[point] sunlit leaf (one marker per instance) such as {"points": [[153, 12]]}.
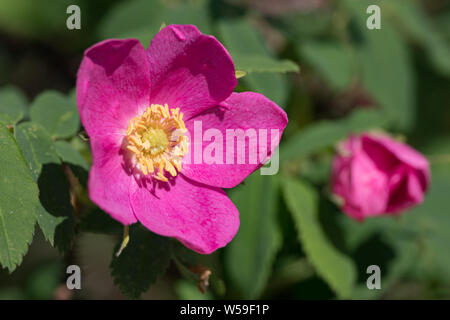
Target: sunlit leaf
{"points": [[18, 200], [13, 105], [56, 113], [55, 214]]}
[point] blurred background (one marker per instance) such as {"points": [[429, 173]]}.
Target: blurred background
{"points": [[349, 79]]}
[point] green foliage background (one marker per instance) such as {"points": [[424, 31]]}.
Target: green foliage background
{"points": [[319, 62]]}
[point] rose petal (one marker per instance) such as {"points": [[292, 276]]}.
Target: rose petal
{"points": [[246, 111], [109, 181], [402, 152], [406, 193], [113, 85], [383, 158], [189, 70], [201, 217], [340, 175], [369, 188]]}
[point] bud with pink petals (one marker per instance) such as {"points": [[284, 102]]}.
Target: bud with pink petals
{"points": [[377, 175]]}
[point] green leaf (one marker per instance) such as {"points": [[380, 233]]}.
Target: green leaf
{"points": [[29, 19], [74, 159], [18, 200], [249, 257], [304, 24], [13, 105], [37, 147], [56, 113], [333, 266], [188, 291], [244, 42], [70, 155], [259, 63], [432, 222], [44, 280], [273, 85], [333, 61], [55, 214], [146, 257], [412, 18], [384, 241], [326, 133], [142, 19], [386, 67]]}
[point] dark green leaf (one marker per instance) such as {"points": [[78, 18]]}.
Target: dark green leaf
{"points": [[56, 113], [55, 214], [18, 200], [146, 257], [249, 257], [333, 266], [44, 280], [383, 241], [98, 221]]}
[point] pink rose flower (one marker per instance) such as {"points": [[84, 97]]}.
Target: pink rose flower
{"points": [[376, 175], [139, 108]]}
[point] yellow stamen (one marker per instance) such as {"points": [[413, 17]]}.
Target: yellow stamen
{"points": [[157, 141]]}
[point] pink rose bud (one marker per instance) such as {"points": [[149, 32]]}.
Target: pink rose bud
{"points": [[377, 175]]}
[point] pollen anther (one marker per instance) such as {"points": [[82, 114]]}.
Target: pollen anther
{"points": [[158, 142]]}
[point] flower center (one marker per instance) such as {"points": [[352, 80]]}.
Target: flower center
{"points": [[157, 141]]}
